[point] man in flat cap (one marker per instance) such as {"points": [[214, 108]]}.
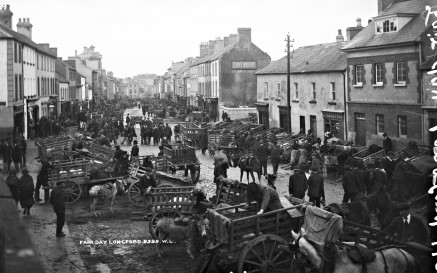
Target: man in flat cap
{"points": [[297, 183]]}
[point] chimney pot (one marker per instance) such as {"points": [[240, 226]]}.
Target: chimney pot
{"points": [[369, 21], [7, 7], [19, 20], [339, 37], [358, 22], [339, 32]]}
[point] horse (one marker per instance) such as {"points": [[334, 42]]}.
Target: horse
{"points": [[249, 164], [107, 191], [336, 256], [359, 210], [167, 229]]}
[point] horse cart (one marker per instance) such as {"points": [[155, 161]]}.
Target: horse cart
{"points": [[54, 147], [77, 176], [191, 134], [243, 241]]}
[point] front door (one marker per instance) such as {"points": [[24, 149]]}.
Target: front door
{"points": [[302, 124], [264, 119], [360, 127], [283, 121], [313, 125]]}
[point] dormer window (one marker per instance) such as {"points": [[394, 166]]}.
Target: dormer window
{"points": [[388, 25]]}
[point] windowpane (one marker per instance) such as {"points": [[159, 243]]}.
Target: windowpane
{"points": [[378, 73], [359, 73], [402, 125], [401, 72], [385, 26], [313, 84], [379, 124], [332, 87], [278, 85], [266, 89]]}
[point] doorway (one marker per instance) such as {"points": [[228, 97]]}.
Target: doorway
{"points": [[360, 128], [302, 124], [313, 125]]}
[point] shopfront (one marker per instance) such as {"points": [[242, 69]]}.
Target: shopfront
{"points": [[334, 123], [263, 114], [284, 123]]}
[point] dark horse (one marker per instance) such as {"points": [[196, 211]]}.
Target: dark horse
{"points": [[249, 164], [359, 210]]}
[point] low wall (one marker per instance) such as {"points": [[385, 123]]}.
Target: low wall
{"points": [[236, 113]]}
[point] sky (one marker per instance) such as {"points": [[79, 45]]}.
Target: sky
{"points": [[143, 36]]}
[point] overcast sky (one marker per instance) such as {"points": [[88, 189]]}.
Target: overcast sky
{"points": [[142, 36]]}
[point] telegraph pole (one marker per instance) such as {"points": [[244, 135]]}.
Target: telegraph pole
{"points": [[288, 83]]}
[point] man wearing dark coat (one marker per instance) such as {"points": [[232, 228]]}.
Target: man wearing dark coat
{"points": [[26, 191], [118, 152], [378, 178], [203, 142], [167, 132], [127, 120], [143, 133], [316, 189], [14, 185], [42, 180], [266, 197], [263, 152], [351, 185], [408, 227], [156, 136], [135, 150], [16, 156], [386, 143], [57, 201], [161, 132], [297, 184], [275, 153], [149, 134]]}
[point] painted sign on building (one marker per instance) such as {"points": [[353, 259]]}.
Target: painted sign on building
{"points": [[244, 65]]}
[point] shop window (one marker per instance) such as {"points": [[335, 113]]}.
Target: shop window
{"points": [[401, 72], [333, 126], [402, 126], [332, 89], [380, 124]]}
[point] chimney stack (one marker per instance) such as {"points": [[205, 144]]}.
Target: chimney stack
{"points": [[351, 32], [203, 49], [6, 16], [75, 53], [219, 44], [225, 41], [54, 51], [233, 38], [211, 47], [24, 27], [339, 37], [244, 35]]}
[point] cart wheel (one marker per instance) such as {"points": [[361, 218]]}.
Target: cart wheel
{"points": [[262, 255], [195, 174], [135, 196], [169, 213], [72, 192]]}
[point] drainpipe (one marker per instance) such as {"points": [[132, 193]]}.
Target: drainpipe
{"points": [[345, 105]]}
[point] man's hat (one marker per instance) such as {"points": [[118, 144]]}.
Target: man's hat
{"points": [[117, 146], [135, 142], [24, 170], [404, 206], [296, 168], [252, 188], [314, 170]]}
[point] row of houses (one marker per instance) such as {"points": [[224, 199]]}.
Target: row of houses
{"points": [[373, 81], [36, 83]]}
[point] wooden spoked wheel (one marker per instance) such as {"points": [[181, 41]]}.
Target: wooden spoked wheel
{"points": [[72, 192], [162, 213], [262, 255], [135, 196]]}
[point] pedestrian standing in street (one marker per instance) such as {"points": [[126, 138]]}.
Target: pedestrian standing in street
{"points": [[143, 134], [203, 141], [386, 143], [135, 150], [350, 185], [378, 178], [57, 201], [263, 153], [161, 132], [155, 136], [316, 163], [127, 120], [167, 132], [27, 189], [23, 146], [316, 188], [42, 180], [16, 156], [14, 185], [275, 153], [297, 183]]}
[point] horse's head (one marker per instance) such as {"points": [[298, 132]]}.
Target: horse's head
{"points": [[201, 224], [120, 186], [310, 249]]}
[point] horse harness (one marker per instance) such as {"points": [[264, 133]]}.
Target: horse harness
{"points": [[357, 253]]}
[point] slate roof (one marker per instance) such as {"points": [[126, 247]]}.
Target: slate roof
{"points": [[310, 59], [409, 33], [7, 33], [61, 78], [215, 55]]}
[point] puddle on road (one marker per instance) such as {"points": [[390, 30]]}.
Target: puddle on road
{"points": [[103, 268], [122, 250]]}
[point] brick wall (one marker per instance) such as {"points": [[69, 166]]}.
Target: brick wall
{"points": [[390, 112]]}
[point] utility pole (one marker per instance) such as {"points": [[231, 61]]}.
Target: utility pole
{"points": [[288, 83]]}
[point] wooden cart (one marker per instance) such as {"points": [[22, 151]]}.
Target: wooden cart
{"points": [[182, 157], [54, 147], [243, 241], [191, 134]]}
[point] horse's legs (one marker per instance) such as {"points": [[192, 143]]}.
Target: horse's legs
{"points": [[112, 203], [247, 173], [259, 178], [158, 247], [253, 177], [189, 246], [241, 175], [93, 206]]}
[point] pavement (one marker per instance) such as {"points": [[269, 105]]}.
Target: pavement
{"points": [[55, 254]]}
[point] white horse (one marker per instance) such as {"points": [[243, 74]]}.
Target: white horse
{"points": [[388, 259], [106, 191]]}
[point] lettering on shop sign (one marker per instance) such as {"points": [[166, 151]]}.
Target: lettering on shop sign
{"points": [[243, 65], [333, 116], [431, 13]]}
